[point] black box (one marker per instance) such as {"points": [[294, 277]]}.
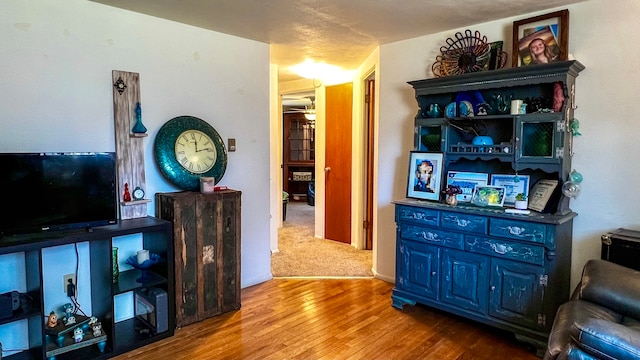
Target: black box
{"points": [[622, 246], [151, 307]]}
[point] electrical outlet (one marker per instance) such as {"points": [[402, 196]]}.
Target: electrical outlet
{"points": [[66, 281]]}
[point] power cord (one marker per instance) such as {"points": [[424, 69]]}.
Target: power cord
{"points": [[72, 289]]}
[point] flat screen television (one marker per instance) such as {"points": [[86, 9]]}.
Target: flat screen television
{"points": [[57, 191]]}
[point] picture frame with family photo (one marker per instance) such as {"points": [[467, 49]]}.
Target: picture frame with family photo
{"points": [[541, 39]]}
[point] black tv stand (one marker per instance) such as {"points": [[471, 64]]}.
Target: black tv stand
{"points": [[120, 337]]}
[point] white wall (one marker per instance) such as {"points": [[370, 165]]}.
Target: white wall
{"points": [[56, 59], [602, 37]]}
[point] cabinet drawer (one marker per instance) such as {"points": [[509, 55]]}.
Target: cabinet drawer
{"points": [[465, 222], [417, 215], [520, 230], [505, 249], [431, 236]]}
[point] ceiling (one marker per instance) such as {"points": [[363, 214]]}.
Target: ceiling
{"points": [[337, 32]]}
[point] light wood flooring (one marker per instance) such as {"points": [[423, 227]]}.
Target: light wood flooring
{"points": [[316, 319]]}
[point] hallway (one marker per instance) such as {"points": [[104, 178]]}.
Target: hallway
{"points": [[301, 254]]}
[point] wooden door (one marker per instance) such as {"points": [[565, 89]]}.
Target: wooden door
{"points": [[337, 212]]}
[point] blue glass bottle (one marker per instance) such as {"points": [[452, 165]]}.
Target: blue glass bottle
{"points": [[139, 128]]}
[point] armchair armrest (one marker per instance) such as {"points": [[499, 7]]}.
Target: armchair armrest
{"points": [[613, 286], [606, 340]]}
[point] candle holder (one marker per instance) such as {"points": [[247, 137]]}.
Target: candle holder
{"points": [[144, 276]]}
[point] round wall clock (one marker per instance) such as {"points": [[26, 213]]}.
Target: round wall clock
{"points": [[188, 148]]}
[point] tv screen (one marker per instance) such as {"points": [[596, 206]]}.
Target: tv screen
{"points": [[56, 191]]}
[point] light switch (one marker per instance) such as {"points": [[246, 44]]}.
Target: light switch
{"points": [[232, 144]]}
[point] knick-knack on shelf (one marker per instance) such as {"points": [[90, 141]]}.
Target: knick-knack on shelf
{"points": [[127, 194], [139, 128]]}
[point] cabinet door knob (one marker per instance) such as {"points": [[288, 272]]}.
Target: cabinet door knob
{"points": [[493, 288], [433, 273], [327, 169]]}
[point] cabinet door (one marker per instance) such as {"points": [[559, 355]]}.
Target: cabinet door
{"points": [[465, 280], [207, 223], [229, 248], [182, 211], [517, 293], [429, 135], [540, 138], [418, 268]]}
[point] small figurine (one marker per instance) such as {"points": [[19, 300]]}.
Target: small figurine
{"points": [[53, 319], [127, 195], [97, 329], [78, 334]]}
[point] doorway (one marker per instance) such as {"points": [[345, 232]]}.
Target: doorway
{"points": [[301, 251]]}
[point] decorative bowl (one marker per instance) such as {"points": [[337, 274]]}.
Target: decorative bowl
{"points": [[133, 261], [482, 140]]}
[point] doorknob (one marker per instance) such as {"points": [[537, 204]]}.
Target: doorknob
{"points": [[327, 169]]}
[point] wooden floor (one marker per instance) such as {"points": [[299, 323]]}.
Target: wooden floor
{"points": [[332, 319]]}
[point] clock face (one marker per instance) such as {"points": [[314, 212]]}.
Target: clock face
{"points": [[138, 193], [187, 148], [195, 151]]}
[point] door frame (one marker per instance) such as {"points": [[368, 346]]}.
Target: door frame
{"points": [[358, 192]]}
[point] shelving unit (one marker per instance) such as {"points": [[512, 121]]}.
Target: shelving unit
{"points": [[510, 271], [298, 154], [121, 336]]}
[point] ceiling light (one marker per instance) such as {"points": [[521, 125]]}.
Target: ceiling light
{"points": [[310, 116], [327, 74]]}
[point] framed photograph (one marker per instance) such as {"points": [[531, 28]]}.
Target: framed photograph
{"points": [[541, 193], [425, 175], [488, 195], [467, 182], [541, 39], [513, 184]]}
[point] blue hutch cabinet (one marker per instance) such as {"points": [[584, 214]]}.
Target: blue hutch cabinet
{"points": [[511, 271]]}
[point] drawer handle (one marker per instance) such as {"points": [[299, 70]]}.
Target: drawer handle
{"points": [[433, 273], [493, 288], [430, 236], [515, 230], [501, 248], [418, 216], [462, 222]]}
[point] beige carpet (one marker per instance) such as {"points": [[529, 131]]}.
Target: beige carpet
{"points": [[303, 255]]}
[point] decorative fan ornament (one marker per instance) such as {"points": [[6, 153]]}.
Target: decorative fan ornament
{"points": [[465, 54]]}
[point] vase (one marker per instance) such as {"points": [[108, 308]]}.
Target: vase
{"points": [[114, 264], [139, 128], [451, 200]]}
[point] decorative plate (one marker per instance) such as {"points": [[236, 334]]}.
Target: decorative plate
{"points": [[465, 54], [167, 153]]}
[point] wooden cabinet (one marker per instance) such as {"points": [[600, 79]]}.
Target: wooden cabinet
{"points": [[298, 154], [119, 335], [207, 251], [508, 270]]}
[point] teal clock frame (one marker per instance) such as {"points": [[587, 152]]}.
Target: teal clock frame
{"points": [[164, 152]]}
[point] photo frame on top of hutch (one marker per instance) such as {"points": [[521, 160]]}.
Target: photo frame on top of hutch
{"points": [[425, 175], [541, 39]]}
